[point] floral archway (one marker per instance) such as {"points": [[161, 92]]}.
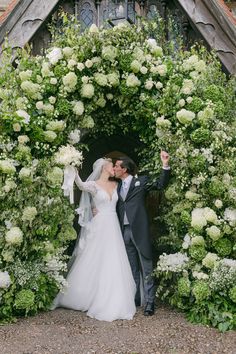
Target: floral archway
{"points": [[112, 80]]}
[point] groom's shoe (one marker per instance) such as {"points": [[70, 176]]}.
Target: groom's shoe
{"points": [[137, 302], [149, 309]]}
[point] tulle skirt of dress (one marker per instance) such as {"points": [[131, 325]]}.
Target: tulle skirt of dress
{"points": [[100, 280]]}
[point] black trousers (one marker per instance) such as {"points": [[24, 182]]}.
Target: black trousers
{"points": [[141, 267]]}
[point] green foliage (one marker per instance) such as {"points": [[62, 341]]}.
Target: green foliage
{"points": [[119, 80]]}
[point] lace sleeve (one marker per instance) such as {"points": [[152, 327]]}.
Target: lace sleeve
{"points": [[89, 186]]}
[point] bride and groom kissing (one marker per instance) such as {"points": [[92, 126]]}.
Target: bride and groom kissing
{"points": [[112, 269]]}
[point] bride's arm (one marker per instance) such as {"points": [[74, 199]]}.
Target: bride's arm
{"points": [[89, 186]]}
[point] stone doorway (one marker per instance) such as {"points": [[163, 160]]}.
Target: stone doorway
{"points": [[113, 147]]}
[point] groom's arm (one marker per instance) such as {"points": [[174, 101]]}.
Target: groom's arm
{"points": [[163, 180], [161, 183]]}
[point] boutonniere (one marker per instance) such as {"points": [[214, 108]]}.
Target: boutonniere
{"points": [[137, 183]]}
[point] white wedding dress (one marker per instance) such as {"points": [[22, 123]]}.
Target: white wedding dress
{"points": [[100, 280]]}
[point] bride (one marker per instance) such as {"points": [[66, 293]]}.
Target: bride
{"points": [[100, 280]]}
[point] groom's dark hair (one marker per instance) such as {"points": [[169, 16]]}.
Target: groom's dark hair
{"points": [[127, 163]]}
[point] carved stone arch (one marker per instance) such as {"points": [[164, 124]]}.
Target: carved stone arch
{"points": [[86, 12], [152, 7]]}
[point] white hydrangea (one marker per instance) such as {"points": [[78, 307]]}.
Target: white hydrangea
{"points": [[181, 102], [9, 185], [189, 99], [132, 81], [80, 66], [187, 87], [135, 66], [189, 63], [143, 70], [53, 81], [87, 91], [230, 216], [70, 81], [88, 122], [46, 71], [176, 262], [210, 215], [187, 242], [5, 280], [93, 29], [213, 232], [48, 108], [68, 52], [16, 127], [113, 79], [206, 115], [218, 203], [21, 102], [52, 99], [159, 85], [163, 123], [148, 84], [7, 166], [39, 105], [185, 117], [197, 241], [232, 194], [100, 79], [14, 236], [25, 173], [25, 75], [74, 137], [49, 136], [109, 52], [31, 89], [56, 125], [210, 260], [23, 114], [54, 55], [154, 48], [200, 66], [88, 63], [23, 139], [162, 69], [198, 219], [71, 64], [29, 214], [200, 275], [78, 108], [192, 196]]}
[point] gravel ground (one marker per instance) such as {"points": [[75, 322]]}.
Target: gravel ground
{"points": [[71, 332]]}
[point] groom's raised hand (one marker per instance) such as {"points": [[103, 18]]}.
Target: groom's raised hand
{"points": [[164, 158]]}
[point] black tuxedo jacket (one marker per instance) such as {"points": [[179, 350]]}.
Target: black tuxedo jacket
{"points": [[134, 206]]}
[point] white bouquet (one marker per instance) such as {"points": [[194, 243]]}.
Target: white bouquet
{"points": [[68, 155]]}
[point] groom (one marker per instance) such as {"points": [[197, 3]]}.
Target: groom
{"points": [[134, 223]]}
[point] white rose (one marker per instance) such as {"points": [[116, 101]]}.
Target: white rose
{"points": [[143, 70], [53, 81], [80, 66], [88, 63], [16, 127]]}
